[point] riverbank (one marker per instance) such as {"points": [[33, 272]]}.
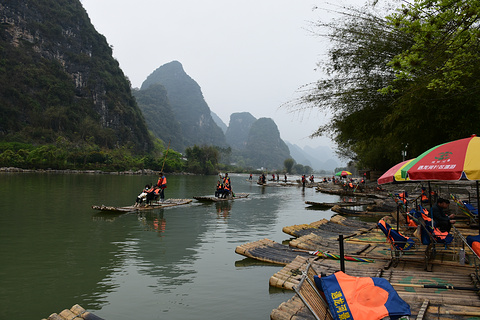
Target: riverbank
{"points": [[70, 171]]}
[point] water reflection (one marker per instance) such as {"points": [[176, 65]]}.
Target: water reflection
{"points": [[223, 209], [152, 221], [57, 251]]}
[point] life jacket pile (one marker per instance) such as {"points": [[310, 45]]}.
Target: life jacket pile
{"points": [[361, 298]]}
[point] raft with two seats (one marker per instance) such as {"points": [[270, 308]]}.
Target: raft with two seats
{"points": [[154, 205], [216, 199]]}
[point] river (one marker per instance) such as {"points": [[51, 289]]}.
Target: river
{"points": [[173, 263]]}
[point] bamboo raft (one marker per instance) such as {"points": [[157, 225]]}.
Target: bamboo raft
{"points": [[331, 228], [154, 205], [357, 213], [75, 312], [349, 192], [328, 205], [321, 234], [217, 199], [435, 287], [410, 281]]}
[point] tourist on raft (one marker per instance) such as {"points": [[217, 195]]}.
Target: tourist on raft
{"points": [[219, 189], [226, 186], [442, 221], [161, 185], [142, 196]]}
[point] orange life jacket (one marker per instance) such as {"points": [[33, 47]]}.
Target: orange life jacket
{"points": [[162, 182], [227, 187]]}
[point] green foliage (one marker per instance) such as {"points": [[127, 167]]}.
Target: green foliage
{"points": [[159, 116], [202, 160], [301, 169], [406, 79], [445, 54], [288, 164], [58, 78], [64, 155]]}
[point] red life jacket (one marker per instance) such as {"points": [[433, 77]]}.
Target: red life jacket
{"points": [[162, 182], [361, 298]]}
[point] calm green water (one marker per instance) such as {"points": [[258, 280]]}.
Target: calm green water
{"points": [[175, 263]]}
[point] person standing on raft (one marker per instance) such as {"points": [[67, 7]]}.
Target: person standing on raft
{"points": [[162, 184], [227, 185]]}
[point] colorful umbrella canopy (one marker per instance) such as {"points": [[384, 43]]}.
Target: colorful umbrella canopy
{"points": [[455, 160], [394, 174], [343, 173]]}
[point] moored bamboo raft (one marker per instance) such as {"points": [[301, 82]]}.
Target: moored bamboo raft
{"points": [[154, 205], [328, 205], [216, 199], [269, 251], [351, 192], [357, 213], [407, 280], [75, 312], [329, 228]]}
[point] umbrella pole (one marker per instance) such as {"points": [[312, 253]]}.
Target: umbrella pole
{"points": [[478, 207], [430, 201]]}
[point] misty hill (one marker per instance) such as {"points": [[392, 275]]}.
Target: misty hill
{"points": [[264, 146], [159, 115], [188, 105], [319, 158], [239, 129], [219, 122], [58, 78]]}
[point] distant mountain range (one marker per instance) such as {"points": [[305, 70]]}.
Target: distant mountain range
{"points": [[61, 83], [175, 110], [319, 158]]}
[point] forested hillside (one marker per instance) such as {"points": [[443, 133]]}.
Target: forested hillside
{"points": [[58, 79], [188, 105], [399, 82], [238, 129], [159, 116], [264, 146]]}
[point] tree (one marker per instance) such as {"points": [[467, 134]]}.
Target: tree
{"points": [[288, 164], [445, 54], [203, 160], [399, 79]]}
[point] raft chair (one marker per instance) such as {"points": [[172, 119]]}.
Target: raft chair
{"points": [[466, 208], [429, 234], [398, 242], [311, 297]]}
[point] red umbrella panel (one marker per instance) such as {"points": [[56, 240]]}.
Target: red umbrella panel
{"points": [[455, 160], [449, 161], [394, 173]]}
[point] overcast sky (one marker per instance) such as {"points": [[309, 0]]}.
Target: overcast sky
{"points": [[249, 55]]}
